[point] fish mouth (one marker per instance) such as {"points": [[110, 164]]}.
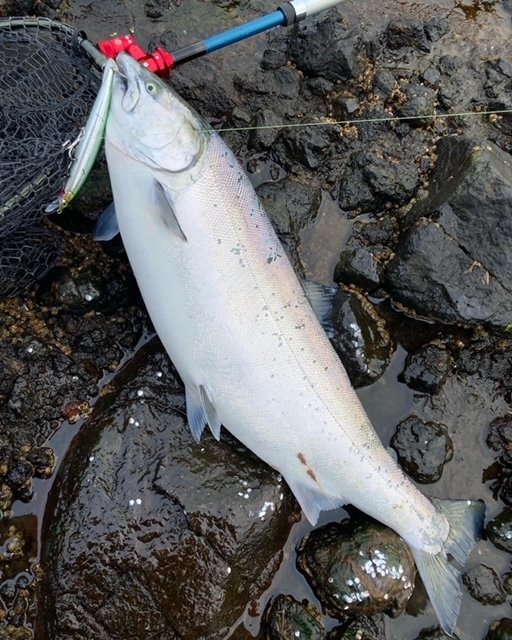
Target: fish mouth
{"points": [[129, 69], [128, 78]]}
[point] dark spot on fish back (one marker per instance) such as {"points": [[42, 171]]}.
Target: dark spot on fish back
{"points": [[302, 458], [312, 474]]}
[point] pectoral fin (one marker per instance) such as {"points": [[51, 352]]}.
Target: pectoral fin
{"points": [[201, 412], [167, 211], [321, 299], [106, 226]]}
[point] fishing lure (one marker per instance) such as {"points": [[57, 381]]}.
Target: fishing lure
{"points": [[88, 142]]}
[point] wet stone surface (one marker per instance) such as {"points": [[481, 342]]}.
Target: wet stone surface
{"points": [[484, 585], [434, 633], [426, 369], [360, 337], [357, 568], [499, 530], [499, 438], [449, 265], [361, 628], [500, 630], [422, 448], [207, 520], [287, 619]]}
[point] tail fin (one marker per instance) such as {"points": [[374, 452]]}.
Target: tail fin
{"points": [[439, 576]]}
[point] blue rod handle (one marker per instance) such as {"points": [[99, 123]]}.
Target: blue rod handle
{"points": [[274, 19]]}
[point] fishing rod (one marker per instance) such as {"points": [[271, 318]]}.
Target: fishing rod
{"points": [[162, 62]]}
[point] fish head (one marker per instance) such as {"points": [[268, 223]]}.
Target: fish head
{"points": [[150, 123]]}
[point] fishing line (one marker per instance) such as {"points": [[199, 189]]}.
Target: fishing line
{"points": [[320, 123]]}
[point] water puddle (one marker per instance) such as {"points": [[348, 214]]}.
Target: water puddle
{"points": [[322, 241]]}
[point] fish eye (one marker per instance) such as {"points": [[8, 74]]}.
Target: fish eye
{"points": [[151, 88]]}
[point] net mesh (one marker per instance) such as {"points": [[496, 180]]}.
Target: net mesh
{"points": [[48, 83]]}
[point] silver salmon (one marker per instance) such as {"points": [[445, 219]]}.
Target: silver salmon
{"points": [[239, 328]]}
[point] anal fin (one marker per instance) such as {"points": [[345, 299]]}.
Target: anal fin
{"points": [[201, 412], [312, 501], [210, 412]]}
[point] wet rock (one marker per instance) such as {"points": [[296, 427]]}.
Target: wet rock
{"points": [[499, 438], [436, 278], [426, 369], [389, 179], [82, 289], [432, 77], [484, 585], [404, 32], [10, 369], [379, 232], [384, 82], [339, 61], [468, 278], [345, 106], [73, 289], [361, 628], [357, 568], [358, 266], [287, 619], [19, 478], [319, 86], [418, 101], [273, 58], [374, 178], [290, 206], [43, 460], [505, 492], [499, 530], [288, 83], [500, 630], [434, 633], [507, 583], [263, 138], [11, 632], [199, 523], [16, 7], [6, 499], [489, 356], [422, 448], [360, 338], [436, 28], [309, 145], [154, 9], [12, 545]]}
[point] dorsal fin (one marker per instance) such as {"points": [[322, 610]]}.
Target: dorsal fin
{"points": [[321, 299]]}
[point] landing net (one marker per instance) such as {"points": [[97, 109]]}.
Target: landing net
{"points": [[49, 78]]}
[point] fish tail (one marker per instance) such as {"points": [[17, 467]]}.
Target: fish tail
{"points": [[440, 577]]}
